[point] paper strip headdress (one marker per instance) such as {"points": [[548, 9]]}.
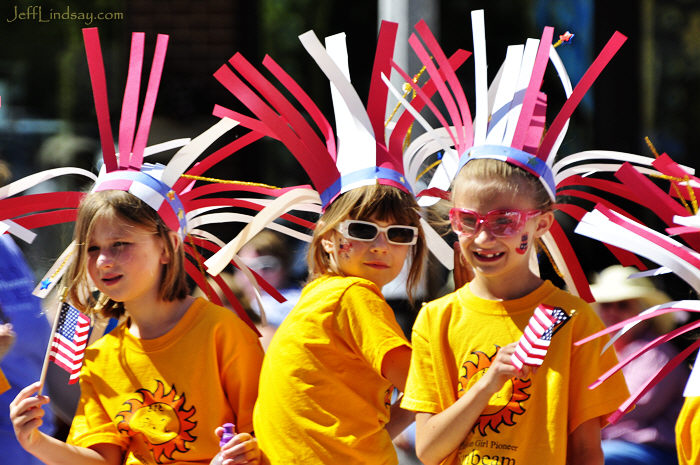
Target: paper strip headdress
{"points": [[678, 209], [508, 122], [171, 189], [364, 152]]}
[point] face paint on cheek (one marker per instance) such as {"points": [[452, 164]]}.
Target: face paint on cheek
{"points": [[345, 248], [524, 240]]}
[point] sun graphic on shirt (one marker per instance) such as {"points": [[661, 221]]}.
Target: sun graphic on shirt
{"points": [[161, 419], [504, 404]]}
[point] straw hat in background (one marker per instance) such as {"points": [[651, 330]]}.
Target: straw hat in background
{"points": [[614, 284]]}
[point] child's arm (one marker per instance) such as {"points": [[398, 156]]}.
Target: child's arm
{"points": [[438, 435], [395, 369], [584, 444], [26, 415]]}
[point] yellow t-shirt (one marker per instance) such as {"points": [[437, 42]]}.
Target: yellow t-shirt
{"points": [[323, 399], [688, 432], [528, 421], [161, 399], [4, 384]]}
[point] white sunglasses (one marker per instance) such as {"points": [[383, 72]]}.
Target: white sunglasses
{"points": [[367, 231]]}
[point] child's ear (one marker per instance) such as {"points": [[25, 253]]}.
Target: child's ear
{"points": [[328, 245], [175, 242], [544, 222]]}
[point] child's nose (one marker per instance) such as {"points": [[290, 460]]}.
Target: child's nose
{"points": [[483, 233], [104, 259], [380, 242]]}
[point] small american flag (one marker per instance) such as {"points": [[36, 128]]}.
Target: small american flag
{"points": [[69, 341], [535, 340]]}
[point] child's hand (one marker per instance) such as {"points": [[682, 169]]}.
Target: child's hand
{"points": [[7, 338], [502, 369], [26, 415], [242, 448]]}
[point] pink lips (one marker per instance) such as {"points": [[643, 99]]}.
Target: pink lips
{"points": [[111, 279], [378, 265]]}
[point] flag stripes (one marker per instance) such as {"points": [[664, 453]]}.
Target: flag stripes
{"points": [[69, 341], [534, 343]]}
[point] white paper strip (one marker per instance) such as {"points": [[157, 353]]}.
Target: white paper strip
{"points": [[504, 94], [480, 79], [437, 245], [187, 155], [217, 262]]}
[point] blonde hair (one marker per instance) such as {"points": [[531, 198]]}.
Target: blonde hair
{"points": [[504, 177], [364, 203], [126, 207]]}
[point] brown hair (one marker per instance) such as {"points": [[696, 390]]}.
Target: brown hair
{"points": [[364, 203], [505, 178], [129, 208]]}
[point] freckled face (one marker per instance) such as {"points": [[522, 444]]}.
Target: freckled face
{"points": [[125, 261], [378, 260]]}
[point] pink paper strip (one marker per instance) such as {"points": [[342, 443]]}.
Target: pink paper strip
{"points": [[533, 89], [640, 317], [465, 121], [149, 102], [625, 257], [642, 350], [130, 105], [428, 102], [679, 250], [678, 230], [114, 184], [440, 77], [398, 135], [670, 366]]}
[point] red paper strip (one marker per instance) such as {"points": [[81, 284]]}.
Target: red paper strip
{"points": [[579, 91], [99, 91]]}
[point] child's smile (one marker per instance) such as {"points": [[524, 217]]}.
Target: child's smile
{"points": [[500, 261]]}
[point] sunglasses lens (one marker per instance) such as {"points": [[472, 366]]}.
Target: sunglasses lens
{"points": [[400, 234], [362, 231], [504, 223], [464, 222]]}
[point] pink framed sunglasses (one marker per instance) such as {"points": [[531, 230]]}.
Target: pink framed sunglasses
{"points": [[501, 223]]}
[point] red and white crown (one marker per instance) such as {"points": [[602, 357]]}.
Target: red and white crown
{"points": [[360, 151]]}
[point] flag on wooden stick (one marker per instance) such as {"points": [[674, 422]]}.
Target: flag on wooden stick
{"points": [[69, 340]]}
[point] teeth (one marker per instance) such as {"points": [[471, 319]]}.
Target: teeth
{"points": [[489, 255]]}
